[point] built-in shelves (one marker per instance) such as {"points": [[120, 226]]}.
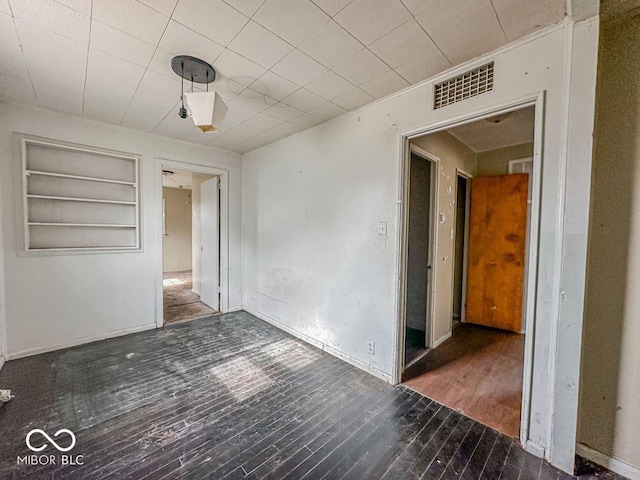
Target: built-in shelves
{"points": [[78, 177], [78, 198]]}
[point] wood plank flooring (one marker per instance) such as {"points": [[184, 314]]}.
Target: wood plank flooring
{"points": [[478, 372], [233, 397]]}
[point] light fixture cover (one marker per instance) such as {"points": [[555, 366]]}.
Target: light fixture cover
{"points": [[207, 110]]}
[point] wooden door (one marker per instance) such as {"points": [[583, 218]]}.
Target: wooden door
{"points": [[497, 240]]}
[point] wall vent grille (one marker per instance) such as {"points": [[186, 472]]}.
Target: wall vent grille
{"points": [[467, 85]]}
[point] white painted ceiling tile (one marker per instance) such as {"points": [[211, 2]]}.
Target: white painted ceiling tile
{"points": [[247, 7], [327, 110], [273, 86], [165, 7], [57, 67], [329, 86], [260, 45], [227, 88], [161, 63], [353, 99], [331, 7], [4, 7], [292, 20], [180, 40], [418, 6], [251, 100], [481, 33], [283, 111], [304, 100], [120, 44], [307, 120], [53, 17], [299, 68], [148, 109], [132, 17], [237, 68], [82, 6], [368, 20], [212, 18], [385, 84], [111, 84], [407, 43], [15, 84], [361, 68], [520, 17], [235, 116], [330, 45]]}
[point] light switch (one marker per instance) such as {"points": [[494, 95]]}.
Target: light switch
{"points": [[382, 227]]}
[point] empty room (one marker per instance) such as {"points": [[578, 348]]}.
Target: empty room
{"points": [[331, 239]]}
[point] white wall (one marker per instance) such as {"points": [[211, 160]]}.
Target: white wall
{"points": [[610, 386], [59, 300], [316, 266]]}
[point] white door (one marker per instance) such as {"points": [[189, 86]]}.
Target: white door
{"points": [[210, 244]]}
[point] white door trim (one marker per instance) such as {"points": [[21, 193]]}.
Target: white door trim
{"points": [[536, 101], [224, 228]]}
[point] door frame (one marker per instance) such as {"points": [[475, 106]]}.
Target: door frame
{"points": [[465, 245], [223, 174], [433, 238], [536, 100]]}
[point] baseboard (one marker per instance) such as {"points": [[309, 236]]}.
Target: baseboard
{"points": [[235, 309], [1, 361], [81, 341], [614, 464], [322, 346], [534, 449], [441, 340]]}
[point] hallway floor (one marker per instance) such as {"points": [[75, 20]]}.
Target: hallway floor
{"points": [[231, 396], [179, 302], [478, 371]]}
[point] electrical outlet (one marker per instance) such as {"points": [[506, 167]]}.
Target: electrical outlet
{"points": [[371, 347], [382, 227]]}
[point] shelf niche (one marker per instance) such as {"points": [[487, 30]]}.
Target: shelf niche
{"points": [[79, 198]]}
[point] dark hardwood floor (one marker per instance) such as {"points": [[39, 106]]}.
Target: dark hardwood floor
{"points": [[478, 371], [233, 397]]}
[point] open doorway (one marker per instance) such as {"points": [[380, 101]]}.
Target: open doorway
{"points": [[474, 360], [190, 245]]}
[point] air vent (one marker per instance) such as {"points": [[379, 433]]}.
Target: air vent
{"points": [[464, 86]]}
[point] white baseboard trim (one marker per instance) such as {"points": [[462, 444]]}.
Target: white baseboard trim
{"points": [[235, 309], [441, 340], [80, 341], [614, 464], [316, 343]]}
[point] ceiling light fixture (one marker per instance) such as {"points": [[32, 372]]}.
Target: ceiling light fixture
{"points": [[207, 109]]}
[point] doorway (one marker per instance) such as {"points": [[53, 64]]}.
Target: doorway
{"points": [[460, 247], [193, 249], [421, 216], [480, 281]]}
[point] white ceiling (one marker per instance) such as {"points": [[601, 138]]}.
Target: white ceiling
{"points": [[179, 179], [284, 65], [484, 135]]}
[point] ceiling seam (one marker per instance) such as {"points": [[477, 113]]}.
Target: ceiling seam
{"points": [[499, 21], [24, 57], [126, 110], [427, 33], [86, 66]]}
